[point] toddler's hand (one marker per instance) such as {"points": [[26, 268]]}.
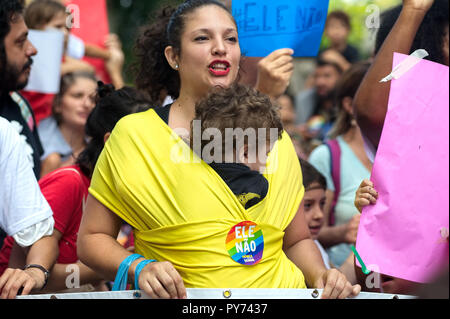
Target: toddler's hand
{"points": [[365, 195]]}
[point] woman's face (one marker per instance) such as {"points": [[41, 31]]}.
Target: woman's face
{"points": [[210, 51], [77, 103]]}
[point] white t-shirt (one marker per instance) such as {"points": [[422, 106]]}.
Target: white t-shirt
{"points": [[23, 209], [326, 259]]}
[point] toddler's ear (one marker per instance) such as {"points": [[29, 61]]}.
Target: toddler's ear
{"points": [[243, 155], [107, 135]]}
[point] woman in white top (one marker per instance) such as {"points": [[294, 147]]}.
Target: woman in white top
{"points": [[354, 167]]}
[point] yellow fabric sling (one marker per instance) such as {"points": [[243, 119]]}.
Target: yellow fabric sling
{"points": [[183, 212]]}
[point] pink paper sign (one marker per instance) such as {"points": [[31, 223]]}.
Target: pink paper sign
{"points": [[401, 234]]}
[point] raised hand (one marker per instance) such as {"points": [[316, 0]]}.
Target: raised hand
{"points": [[275, 72]]}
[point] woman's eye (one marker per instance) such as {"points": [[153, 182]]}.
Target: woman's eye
{"points": [[232, 39], [77, 95]]}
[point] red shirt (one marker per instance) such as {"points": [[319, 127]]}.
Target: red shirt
{"points": [[65, 190]]}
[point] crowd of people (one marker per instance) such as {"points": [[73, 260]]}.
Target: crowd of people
{"points": [[79, 168]]}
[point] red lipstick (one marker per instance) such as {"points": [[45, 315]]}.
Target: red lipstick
{"points": [[219, 68]]}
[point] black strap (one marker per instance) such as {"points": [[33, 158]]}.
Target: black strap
{"points": [[163, 112]]}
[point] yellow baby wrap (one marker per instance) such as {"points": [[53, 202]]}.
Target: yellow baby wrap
{"points": [[183, 212]]}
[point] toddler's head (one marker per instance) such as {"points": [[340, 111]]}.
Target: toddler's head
{"points": [[235, 125]]}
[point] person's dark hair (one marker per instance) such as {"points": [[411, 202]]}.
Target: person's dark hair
{"points": [[66, 83], [110, 107], [347, 86], [311, 175], [41, 12], [430, 35], [9, 11], [154, 75], [321, 62], [341, 16], [236, 107]]}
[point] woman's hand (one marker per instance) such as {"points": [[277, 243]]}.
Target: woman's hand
{"points": [[365, 195], [160, 280], [336, 286], [423, 5], [275, 72]]}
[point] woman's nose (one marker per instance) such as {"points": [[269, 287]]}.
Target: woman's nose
{"points": [[219, 48]]}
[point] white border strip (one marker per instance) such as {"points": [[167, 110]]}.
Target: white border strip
{"points": [[224, 294]]}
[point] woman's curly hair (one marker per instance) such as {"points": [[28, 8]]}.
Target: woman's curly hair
{"points": [[431, 34]]}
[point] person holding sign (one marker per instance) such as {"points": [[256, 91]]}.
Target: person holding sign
{"points": [[418, 24], [182, 212], [270, 75]]}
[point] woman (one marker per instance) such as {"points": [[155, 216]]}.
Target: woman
{"points": [[66, 190], [181, 211], [355, 166], [63, 134]]}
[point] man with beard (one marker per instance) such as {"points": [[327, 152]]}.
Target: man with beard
{"points": [[15, 64], [319, 99]]}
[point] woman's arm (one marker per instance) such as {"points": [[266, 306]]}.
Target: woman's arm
{"points": [[304, 253], [74, 65], [371, 100], [61, 272], [99, 250], [95, 51]]}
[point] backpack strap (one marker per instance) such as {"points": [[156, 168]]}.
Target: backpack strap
{"points": [[335, 151]]}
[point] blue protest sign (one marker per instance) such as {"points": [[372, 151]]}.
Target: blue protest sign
{"points": [[267, 25]]}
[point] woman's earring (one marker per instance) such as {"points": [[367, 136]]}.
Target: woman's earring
{"points": [[176, 66]]}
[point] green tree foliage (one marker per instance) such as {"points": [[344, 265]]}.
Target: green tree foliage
{"points": [[126, 17], [362, 13]]}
